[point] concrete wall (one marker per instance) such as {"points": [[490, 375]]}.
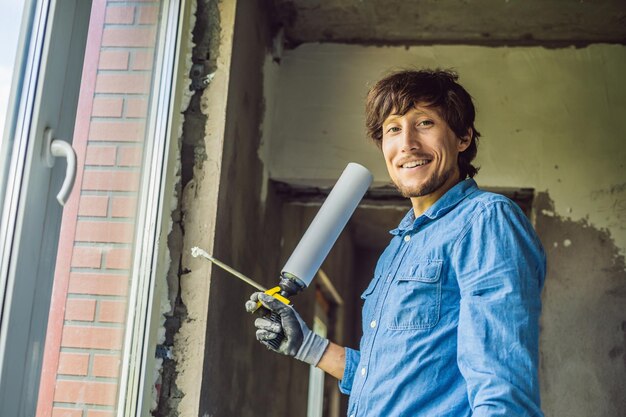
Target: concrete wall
{"points": [[552, 120], [231, 373], [222, 370]]}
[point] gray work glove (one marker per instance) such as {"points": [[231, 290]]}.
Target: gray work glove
{"points": [[299, 341]]}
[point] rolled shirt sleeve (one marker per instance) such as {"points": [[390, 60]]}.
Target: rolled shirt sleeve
{"points": [[352, 361], [500, 268]]}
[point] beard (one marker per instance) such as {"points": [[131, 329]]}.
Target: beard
{"points": [[432, 184]]}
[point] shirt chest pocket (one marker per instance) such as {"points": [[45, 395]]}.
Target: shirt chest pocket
{"points": [[414, 300]]}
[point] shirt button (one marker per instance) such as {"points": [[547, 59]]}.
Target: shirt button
{"points": [[373, 324], [407, 238], [363, 371]]}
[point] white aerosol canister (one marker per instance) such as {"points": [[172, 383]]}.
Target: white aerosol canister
{"points": [[328, 223]]}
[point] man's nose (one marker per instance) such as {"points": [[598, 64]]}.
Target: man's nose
{"points": [[410, 139]]}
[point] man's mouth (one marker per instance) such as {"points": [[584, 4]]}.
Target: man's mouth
{"points": [[415, 163]]}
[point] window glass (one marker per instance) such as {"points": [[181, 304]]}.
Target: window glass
{"points": [[10, 24], [94, 279]]}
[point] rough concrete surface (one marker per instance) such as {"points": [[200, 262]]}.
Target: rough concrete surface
{"points": [[583, 325], [192, 225], [452, 21], [236, 372], [172, 310]]}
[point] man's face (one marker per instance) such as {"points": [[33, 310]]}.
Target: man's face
{"points": [[421, 152]]}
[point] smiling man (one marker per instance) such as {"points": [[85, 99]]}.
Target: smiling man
{"points": [[451, 316]]}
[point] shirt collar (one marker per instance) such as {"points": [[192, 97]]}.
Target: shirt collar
{"points": [[442, 206]]}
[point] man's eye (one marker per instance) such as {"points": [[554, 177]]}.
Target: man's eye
{"points": [[425, 123], [393, 129]]}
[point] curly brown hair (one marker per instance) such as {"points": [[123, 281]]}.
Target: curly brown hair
{"points": [[401, 91]]}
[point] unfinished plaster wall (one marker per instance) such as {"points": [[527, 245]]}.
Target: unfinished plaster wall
{"points": [[552, 120], [221, 369], [238, 371], [209, 355]]}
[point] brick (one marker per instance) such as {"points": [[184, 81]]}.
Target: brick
{"points": [[107, 107], [107, 366], [138, 37], [120, 15], [85, 337], [100, 413], [105, 232], [113, 60], [118, 258], [110, 180], [126, 131], [73, 363], [123, 206], [98, 284], [93, 205], [148, 15], [80, 309], [67, 412], [136, 107], [112, 311], [128, 156], [86, 257], [83, 392], [123, 83], [100, 155], [143, 60]]}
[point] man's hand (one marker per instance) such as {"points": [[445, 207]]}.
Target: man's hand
{"points": [[299, 341]]}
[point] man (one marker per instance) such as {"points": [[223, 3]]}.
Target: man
{"points": [[450, 318]]}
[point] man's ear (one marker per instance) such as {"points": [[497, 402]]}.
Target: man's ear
{"points": [[465, 141]]}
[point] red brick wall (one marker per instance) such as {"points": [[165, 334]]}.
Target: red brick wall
{"points": [[84, 343]]}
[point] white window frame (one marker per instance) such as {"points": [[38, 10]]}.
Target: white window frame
{"points": [[45, 95], [55, 34], [140, 342]]}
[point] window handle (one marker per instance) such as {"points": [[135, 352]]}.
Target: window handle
{"points": [[55, 148]]}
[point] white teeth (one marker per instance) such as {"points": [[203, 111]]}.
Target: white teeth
{"points": [[414, 164]]}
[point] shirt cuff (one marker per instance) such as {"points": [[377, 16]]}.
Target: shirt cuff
{"points": [[352, 360]]}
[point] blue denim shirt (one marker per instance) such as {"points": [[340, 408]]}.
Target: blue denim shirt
{"points": [[451, 317]]}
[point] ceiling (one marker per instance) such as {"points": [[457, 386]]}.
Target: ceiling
{"points": [[488, 22]]}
